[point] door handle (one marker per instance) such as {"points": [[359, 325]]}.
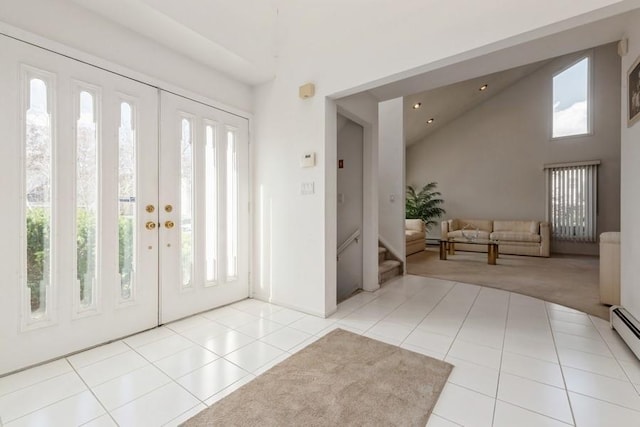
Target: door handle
{"points": [[169, 224], [150, 225]]}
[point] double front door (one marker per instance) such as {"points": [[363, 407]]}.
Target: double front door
{"points": [[123, 206]]}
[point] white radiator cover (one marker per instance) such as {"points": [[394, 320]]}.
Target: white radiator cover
{"points": [[627, 327]]}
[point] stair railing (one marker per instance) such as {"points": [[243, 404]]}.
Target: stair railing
{"points": [[355, 237]]}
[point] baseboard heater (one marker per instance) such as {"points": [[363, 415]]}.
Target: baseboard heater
{"points": [[628, 328]]}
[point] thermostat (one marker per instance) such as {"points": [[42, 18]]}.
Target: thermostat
{"points": [[308, 160]]}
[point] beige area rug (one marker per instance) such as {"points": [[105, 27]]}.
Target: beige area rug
{"points": [[569, 280], [343, 379]]}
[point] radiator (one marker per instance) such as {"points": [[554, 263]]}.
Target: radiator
{"points": [[628, 328]]}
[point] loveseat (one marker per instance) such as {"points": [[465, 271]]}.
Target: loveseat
{"points": [[414, 234], [531, 238]]}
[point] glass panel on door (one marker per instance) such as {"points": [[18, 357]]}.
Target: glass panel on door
{"points": [[232, 206], [127, 183], [186, 202], [87, 200], [38, 200], [211, 206]]}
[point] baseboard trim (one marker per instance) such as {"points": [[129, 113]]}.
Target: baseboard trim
{"points": [[265, 298]]}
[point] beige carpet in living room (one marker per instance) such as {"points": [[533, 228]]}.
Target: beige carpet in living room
{"points": [[569, 280]]}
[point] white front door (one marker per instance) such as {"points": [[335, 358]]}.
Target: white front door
{"points": [[79, 177], [204, 207]]}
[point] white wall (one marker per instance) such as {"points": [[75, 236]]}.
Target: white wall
{"points": [[391, 177], [116, 48], [630, 237], [489, 161], [341, 46]]}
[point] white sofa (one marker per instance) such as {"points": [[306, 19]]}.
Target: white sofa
{"points": [[531, 238], [414, 234]]}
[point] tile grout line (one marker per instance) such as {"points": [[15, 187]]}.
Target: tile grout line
{"points": [[180, 385], [456, 336], [182, 413], [534, 412], [172, 379], [607, 401], [393, 311], [47, 406], [239, 348], [428, 313], [519, 406], [93, 394], [37, 382], [564, 380], [150, 363], [597, 374], [444, 418], [615, 358], [466, 316], [504, 336]]}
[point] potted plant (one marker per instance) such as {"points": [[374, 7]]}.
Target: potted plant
{"points": [[424, 204]]}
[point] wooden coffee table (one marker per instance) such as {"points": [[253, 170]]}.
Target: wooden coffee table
{"points": [[449, 246]]}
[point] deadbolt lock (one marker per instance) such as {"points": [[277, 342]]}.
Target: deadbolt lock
{"points": [[150, 208], [169, 224], [150, 225], [168, 208]]}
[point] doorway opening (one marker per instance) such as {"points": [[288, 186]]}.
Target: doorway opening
{"points": [[349, 207]]}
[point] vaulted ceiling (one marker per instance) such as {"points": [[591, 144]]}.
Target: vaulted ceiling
{"points": [[446, 103]]}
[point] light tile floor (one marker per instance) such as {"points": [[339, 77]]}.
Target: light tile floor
{"points": [[518, 361]]}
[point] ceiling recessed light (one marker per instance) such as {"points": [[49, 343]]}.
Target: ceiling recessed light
{"points": [[483, 87], [430, 121], [417, 105]]}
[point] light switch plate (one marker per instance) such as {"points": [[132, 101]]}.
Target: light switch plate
{"points": [[307, 188]]}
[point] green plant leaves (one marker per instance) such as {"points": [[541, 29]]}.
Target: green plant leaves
{"points": [[424, 204]]}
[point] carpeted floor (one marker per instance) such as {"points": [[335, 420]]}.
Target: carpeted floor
{"points": [[569, 280], [341, 379]]}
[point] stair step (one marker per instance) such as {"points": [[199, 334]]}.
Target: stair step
{"points": [[382, 254], [388, 270], [387, 265]]}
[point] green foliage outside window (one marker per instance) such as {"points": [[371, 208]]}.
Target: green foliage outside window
{"points": [[38, 221]]}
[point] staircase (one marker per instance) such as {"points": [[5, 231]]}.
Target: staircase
{"points": [[388, 266]]}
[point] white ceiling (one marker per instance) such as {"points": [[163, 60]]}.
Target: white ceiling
{"points": [[235, 37], [239, 38], [446, 103]]}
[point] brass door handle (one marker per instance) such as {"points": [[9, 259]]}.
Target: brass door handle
{"points": [[150, 225], [169, 224]]}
